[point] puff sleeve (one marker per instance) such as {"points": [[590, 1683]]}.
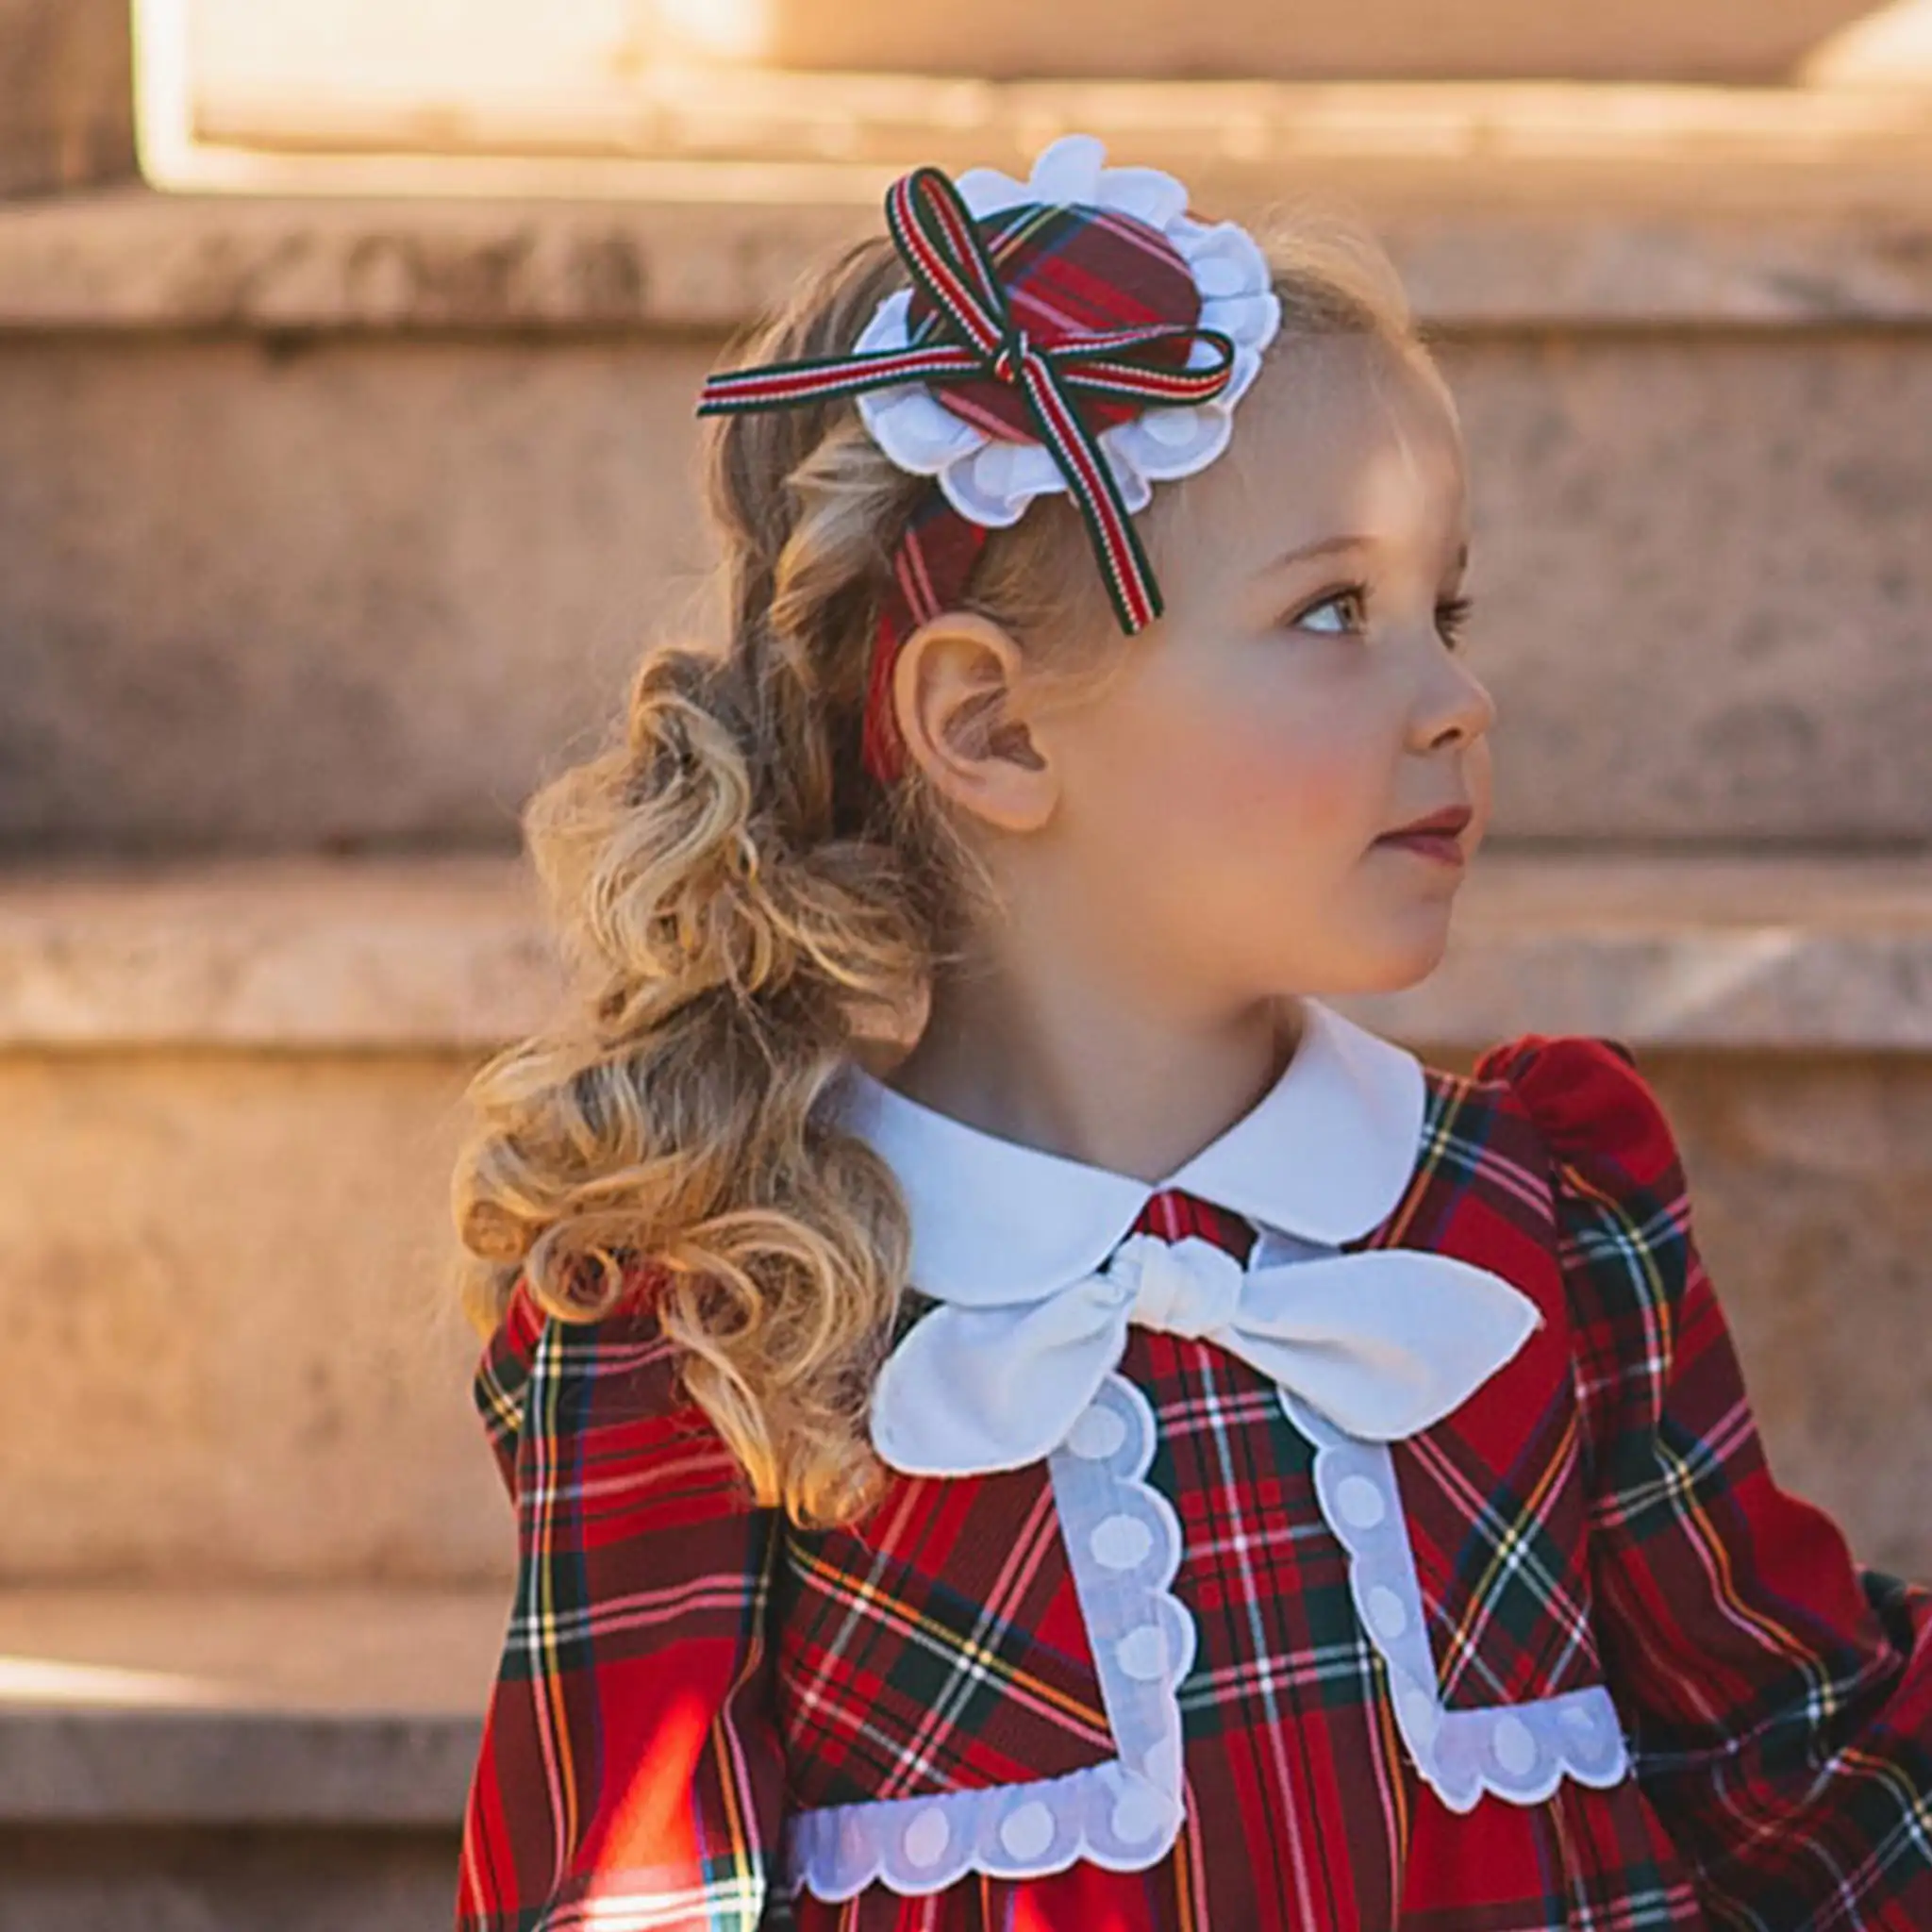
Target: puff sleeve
{"points": [[629, 1771], [1778, 1697]]}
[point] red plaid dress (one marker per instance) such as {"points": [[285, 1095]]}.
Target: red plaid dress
{"points": [[684, 1678]]}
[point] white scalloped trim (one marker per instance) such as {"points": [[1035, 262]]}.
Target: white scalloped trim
{"points": [[1520, 1752], [1123, 1548], [991, 481]]}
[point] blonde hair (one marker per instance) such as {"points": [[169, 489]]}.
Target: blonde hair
{"points": [[739, 905]]}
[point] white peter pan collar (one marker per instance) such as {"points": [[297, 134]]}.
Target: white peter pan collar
{"points": [[1325, 1156]]}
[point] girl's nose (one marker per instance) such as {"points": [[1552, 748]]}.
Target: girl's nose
{"points": [[1455, 703]]}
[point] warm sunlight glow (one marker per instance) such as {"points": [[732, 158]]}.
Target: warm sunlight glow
{"points": [[435, 48], [1891, 47], [728, 29], [657, 1790], [40, 1680]]}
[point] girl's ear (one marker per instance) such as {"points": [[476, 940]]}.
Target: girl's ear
{"points": [[962, 694]]}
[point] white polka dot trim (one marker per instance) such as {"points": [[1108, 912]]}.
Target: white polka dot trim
{"points": [[1097, 1434], [1143, 1653], [1520, 1752], [1360, 1502], [926, 1837], [1119, 1542], [1123, 1548], [1028, 1831]]}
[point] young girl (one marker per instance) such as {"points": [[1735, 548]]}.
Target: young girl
{"points": [[1018, 1414]]}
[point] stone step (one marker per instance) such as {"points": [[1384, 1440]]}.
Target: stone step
{"points": [[1384, 38], [236, 1090], [758, 135], [238, 1760], [367, 504], [1749, 951], [325, 73]]}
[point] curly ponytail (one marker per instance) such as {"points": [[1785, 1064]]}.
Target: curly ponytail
{"points": [[739, 906]]}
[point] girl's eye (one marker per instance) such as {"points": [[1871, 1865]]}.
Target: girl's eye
{"points": [[1356, 595], [1451, 615]]}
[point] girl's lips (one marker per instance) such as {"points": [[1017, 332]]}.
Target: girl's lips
{"points": [[1438, 846], [1451, 822]]}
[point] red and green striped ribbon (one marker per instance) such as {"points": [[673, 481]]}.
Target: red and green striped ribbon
{"points": [[935, 234]]}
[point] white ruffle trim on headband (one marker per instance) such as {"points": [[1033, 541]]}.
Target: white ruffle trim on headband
{"points": [[1123, 1548], [989, 481]]}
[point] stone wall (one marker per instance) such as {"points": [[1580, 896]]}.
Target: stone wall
{"points": [[66, 94], [372, 518]]}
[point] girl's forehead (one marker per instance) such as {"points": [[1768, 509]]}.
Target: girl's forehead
{"points": [[1326, 407], [1339, 434]]}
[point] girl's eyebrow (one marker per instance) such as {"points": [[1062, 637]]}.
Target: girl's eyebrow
{"points": [[1327, 545], [1322, 548]]}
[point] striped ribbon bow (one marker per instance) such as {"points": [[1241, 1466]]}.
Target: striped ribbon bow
{"points": [[935, 234]]}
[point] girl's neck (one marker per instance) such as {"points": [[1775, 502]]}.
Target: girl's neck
{"points": [[1058, 1068]]}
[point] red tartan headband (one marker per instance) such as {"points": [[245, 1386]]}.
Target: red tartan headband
{"points": [[1092, 340]]}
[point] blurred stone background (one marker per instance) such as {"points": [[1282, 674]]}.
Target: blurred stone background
{"points": [[347, 357]]}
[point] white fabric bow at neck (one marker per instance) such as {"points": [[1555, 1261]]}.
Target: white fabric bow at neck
{"points": [[1382, 1341]]}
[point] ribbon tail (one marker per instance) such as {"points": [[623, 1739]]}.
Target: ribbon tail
{"points": [[777, 385], [1123, 564], [1384, 1342], [970, 1390]]}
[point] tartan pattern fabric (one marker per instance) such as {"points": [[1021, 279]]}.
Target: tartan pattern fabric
{"points": [[1500, 1556], [1778, 1697], [940, 1650], [680, 1671], [1072, 272], [611, 1791], [932, 565], [1495, 1506]]}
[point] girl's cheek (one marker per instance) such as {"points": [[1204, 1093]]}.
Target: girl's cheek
{"points": [[1241, 767], [1265, 780], [1295, 738]]}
